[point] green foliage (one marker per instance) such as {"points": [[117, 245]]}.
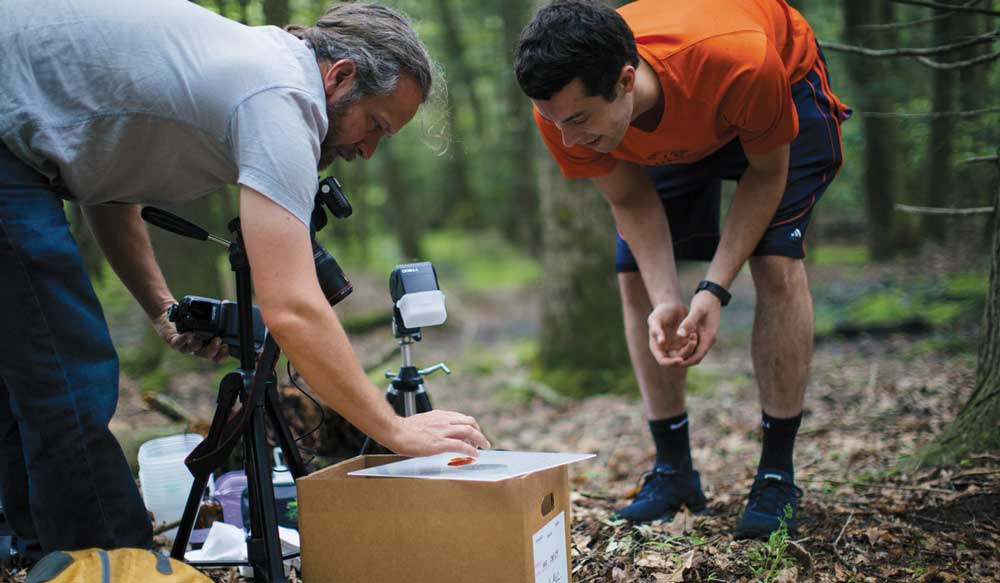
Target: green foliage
{"points": [[578, 384], [480, 261], [769, 559], [948, 303], [845, 255]]}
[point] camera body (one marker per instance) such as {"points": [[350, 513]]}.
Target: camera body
{"points": [[208, 318]]}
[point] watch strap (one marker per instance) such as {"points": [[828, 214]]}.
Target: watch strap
{"points": [[716, 290]]}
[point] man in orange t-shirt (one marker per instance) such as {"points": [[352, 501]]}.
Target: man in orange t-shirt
{"points": [[657, 103]]}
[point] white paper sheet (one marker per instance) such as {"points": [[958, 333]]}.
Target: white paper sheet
{"points": [[490, 466], [549, 551]]}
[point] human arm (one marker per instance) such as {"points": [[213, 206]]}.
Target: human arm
{"points": [[641, 221], [754, 203], [121, 234], [307, 329]]}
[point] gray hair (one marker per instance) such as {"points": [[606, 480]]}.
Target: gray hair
{"points": [[379, 41]]}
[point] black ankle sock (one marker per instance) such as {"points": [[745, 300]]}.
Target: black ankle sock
{"points": [[672, 444], [778, 443]]}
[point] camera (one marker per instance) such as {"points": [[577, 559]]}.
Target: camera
{"points": [[208, 318]]}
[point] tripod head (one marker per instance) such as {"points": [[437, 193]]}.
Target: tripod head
{"points": [[207, 317]]}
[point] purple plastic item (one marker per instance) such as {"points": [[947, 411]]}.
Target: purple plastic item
{"points": [[229, 489]]}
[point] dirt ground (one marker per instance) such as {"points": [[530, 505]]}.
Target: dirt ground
{"points": [[867, 514]]}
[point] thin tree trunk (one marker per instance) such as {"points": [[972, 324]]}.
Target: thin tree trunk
{"points": [[93, 259], [190, 268], [403, 218], [455, 48], [523, 221], [939, 146], [881, 152], [276, 12], [975, 427]]}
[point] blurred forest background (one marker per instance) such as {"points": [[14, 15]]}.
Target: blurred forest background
{"points": [[903, 260], [906, 228]]}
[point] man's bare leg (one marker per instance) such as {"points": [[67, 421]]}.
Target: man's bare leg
{"points": [[673, 483], [782, 341], [662, 388], [781, 349]]}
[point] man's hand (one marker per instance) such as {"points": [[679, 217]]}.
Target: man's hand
{"points": [[668, 345], [703, 324], [187, 343], [437, 432]]}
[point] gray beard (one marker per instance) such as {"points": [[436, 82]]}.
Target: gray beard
{"points": [[328, 149]]}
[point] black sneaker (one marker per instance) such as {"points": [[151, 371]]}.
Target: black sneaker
{"points": [[774, 498], [664, 491]]}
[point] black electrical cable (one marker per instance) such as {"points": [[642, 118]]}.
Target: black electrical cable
{"points": [[322, 412]]}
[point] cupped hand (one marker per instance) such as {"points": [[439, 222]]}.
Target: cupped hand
{"points": [[186, 343], [703, 323], [668, 345], [437, 432]]}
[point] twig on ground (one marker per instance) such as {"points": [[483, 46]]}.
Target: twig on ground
{"points": [[889, 486], [842, 529]]}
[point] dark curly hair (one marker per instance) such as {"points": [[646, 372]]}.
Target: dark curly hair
{"points": [[571, 39]]}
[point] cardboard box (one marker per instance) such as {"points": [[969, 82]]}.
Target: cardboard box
{"points": [[387, 530]]}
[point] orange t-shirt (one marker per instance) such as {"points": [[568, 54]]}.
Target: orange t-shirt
{"points": [[725, 68]]}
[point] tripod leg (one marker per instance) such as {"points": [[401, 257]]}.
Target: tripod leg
{"points": [[371, 446], [293, 460], [229, 389], [263, 547], [423, 400]]}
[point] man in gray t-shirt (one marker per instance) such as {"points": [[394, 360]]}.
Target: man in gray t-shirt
{"points": [[140, 101]]}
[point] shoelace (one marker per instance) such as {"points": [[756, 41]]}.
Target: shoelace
{"points": [[650, 476], [771, 496]]}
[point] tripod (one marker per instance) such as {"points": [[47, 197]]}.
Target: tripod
{"points": [[406, 392], [253, 384]]}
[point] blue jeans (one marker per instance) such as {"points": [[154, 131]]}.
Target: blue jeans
{"points": [[64, 480]]}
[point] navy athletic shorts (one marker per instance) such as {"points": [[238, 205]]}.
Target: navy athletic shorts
{"points": [[691, 193]]}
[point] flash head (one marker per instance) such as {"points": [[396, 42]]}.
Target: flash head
{"points": [[416, 297]]}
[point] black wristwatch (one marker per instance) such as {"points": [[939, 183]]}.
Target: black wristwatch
{"points": [[716, 290]]}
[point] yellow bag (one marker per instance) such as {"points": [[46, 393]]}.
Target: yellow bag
{"points": [[117, 566]]}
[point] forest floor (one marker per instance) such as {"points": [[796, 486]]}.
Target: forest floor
{"points": [[873, 402]]}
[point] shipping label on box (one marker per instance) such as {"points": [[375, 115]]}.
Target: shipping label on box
{"points": [[549, 548]]}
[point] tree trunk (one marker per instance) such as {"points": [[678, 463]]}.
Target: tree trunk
{"points": [[276, 12], [582, 335], [402, 217], [190, 268], [881, 151], [975, 427], [522, 221], [455, 48], [459, 199], [93, 259], [939, 146]]}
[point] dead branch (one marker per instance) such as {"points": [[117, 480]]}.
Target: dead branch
{"points": [[927, 210], [929, 115], [987, 37], [980, 159], [918, 22], [951, 7], [966, 64]]}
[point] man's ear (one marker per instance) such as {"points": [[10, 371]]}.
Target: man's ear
{"points": [[626, 80], [339, 79]]}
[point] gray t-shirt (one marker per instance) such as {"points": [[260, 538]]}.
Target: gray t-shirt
{"points": [[158, 101]]}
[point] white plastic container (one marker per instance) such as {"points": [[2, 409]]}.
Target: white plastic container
{"points": [[166, 481]]}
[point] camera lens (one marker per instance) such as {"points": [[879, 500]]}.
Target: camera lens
{"points": [[332, 280]]}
